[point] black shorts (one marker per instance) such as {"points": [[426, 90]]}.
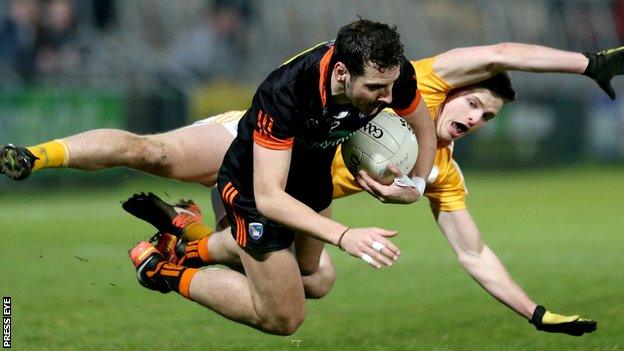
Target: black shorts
{"points": [[309, 182]]}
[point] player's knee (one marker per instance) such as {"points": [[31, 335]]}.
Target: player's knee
{"points": [[320, 285], [309, 268], [286, 325], [284, 322]]}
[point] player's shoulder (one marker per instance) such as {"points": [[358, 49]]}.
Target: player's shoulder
{"points": [[404, 91], [303, 66]]}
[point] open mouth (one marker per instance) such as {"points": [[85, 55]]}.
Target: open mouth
{"points": [[460, 128]]}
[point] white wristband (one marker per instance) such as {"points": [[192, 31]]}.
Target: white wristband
{"points": [[414, 182]]}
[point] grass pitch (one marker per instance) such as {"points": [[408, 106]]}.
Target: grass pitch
{"points": [[559, 232]]}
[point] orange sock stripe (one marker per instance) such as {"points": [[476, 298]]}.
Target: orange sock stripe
{"points": [[202, 248], [168, 273], [185, 282], [191, 254], [158, 266]]}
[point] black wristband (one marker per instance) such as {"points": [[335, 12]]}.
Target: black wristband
{"points": [[590, 71], [538, 314], [340, 239]]}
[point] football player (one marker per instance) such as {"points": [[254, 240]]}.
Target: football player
{"points": [[460, 91], [275, 180]]}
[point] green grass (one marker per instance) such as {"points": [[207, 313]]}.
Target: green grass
{"points": [[559, 232]]}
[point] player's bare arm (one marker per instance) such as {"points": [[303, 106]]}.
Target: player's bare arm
{"points": [[270, 174], [484, 266], [422, 124], [464, 66]]}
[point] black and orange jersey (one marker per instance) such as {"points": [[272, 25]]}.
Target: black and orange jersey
{"points": [[293, 108], [446, 189]]}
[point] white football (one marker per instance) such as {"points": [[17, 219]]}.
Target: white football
{"points": [[386, 139]]}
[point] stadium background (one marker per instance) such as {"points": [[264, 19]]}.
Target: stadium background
{"points": [[545, 177]]}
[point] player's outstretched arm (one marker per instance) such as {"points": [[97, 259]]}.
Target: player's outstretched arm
{"points": [[270, 173], [464, 66], [485, 267]]}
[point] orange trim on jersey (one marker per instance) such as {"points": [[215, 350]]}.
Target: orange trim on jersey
{"points": [[185, 282], [412, 107], [324, 67], [262, 134]]}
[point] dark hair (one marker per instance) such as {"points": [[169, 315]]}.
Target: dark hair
{"points": [[364, 41], [499, 85]]}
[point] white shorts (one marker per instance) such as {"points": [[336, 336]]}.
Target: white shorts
{"points": [[228, 119]]}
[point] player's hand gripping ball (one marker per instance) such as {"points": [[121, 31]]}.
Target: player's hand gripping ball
{"points": [[386, 139]]}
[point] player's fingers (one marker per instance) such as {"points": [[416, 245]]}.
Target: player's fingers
{"points": [[384, 232], [389, 249], [369, 259], [395, 170], [384, 250], [367, 183], [363, 184], [375, 186], [377, 257]]}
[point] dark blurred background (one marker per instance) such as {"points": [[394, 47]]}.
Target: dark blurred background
{"points": [[151, 65]]}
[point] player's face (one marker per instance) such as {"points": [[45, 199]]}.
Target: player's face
{"points": [[372, 89], [466, 111]]}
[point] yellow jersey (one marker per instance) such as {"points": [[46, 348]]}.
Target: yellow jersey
{"points": [[446, 189]]}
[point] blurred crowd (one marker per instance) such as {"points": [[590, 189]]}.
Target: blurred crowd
{"points": [[47, 40], [40, 38]]}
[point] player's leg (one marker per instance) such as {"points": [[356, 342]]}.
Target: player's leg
{"points": [[318, 284], [202, 247], [220, 248], [315, 264], [269, 297], [192, 153]]}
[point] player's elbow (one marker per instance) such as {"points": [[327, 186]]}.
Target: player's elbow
{"points": [[499, 56], [265, 202], [470, 258]]}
